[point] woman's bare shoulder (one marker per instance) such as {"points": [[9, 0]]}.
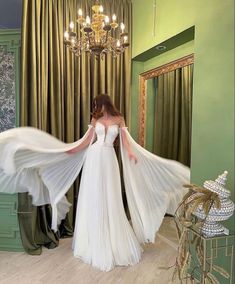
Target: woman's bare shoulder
{"points": [[121, 120]]}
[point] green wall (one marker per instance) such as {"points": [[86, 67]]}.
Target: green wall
{"points": [[213, 98], [172, 17], [213, 94], [213, 101]]}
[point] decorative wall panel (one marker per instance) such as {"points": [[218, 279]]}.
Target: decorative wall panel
{"points": [[9, 96], [7, 89]]}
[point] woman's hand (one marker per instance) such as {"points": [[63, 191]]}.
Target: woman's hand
{"points": [[132, 157]]}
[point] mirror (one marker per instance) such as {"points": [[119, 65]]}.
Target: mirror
{"points": [[165, 109]]}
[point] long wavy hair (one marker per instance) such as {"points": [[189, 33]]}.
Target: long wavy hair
{"points": [[102, 102]]}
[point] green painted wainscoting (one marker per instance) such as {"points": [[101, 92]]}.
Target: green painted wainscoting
{"points": [[9, 97]]}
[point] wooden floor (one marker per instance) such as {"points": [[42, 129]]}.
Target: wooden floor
{"points": [[58, 265]]}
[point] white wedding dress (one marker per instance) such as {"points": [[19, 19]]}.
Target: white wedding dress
{"points": [[35, 162], [103, 236]]}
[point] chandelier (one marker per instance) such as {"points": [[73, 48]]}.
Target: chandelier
{"points": [[97, 34]]}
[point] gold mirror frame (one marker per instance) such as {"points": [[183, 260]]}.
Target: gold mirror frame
{"points": [[143, 77]]}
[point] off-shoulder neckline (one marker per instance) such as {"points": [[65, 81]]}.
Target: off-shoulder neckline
{"points": [[114, 124], [106, 126]]}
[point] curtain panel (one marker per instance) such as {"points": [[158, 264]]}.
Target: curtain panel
{"points": [[57, 89], [173, 115]]}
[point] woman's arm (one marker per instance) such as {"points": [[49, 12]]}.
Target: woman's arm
{"points": [[84, 144], [126, 143]]}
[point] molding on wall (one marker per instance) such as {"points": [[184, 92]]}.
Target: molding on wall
{"points": [[10, 238], [143, 77]]}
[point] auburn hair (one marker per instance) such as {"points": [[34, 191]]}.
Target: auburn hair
{"points": [[100, 101]]}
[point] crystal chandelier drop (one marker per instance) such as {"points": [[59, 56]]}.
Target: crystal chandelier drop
{"points": [[97, 34]]}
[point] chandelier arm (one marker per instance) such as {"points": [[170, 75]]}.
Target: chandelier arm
{"points": [[107, 33], [89, 39]]}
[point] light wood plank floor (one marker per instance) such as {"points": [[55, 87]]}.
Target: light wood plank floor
{"points": [[58, 265]]}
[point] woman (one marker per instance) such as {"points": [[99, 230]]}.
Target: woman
{"points": [[46, 168]]}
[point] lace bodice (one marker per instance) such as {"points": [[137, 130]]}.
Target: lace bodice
{"points": [[106, 135]]}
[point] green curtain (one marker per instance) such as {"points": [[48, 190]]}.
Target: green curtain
{"points": [[173, 114], [57, 89]]}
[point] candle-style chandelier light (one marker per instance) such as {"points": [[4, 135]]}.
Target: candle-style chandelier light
{"points": [[97, 34]]}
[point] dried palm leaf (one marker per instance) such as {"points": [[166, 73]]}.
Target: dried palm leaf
{"points": [[183, 268], [196, 197], [190, 186], [212, 278], [217, 203], [221, 271], [207, 206], [195, 237], [175, 272]]}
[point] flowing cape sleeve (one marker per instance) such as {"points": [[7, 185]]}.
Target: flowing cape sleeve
{"points": [[154, 186], [33, 161]]}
